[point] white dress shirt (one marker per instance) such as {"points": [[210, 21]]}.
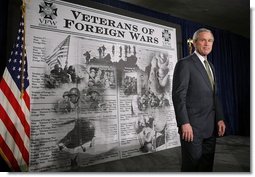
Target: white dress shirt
{"points": [[202, 59]]}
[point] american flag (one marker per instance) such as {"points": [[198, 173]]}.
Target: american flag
{"points": [[15, 107]]}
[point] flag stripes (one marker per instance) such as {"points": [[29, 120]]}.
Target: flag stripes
{"points": [[16, 106], [13, 118], [8, 155], [11, 128]]}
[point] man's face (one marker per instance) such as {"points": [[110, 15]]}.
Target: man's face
{"points": [[94, 96], [73, 98], [93, 74], [66, 98], [204, 43]]}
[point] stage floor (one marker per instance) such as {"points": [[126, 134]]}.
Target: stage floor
{"points": [[232, 155]]}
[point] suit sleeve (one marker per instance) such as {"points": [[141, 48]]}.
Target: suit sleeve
{"points": [[179, 91]]}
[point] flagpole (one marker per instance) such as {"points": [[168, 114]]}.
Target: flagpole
{"points": [[68, 50], [23, 9]]}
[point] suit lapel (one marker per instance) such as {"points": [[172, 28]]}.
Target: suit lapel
{"points": [[201, 69]]}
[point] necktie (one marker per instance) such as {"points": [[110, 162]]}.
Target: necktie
{"points": [[207, 67]]}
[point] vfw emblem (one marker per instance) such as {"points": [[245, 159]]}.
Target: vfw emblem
{"points": [[48, 12], [166, 37]]}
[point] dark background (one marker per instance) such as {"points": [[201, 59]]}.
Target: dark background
{"points": [[230, 56]]}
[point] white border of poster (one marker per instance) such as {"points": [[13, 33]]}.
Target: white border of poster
{"points": [[100, 86]]}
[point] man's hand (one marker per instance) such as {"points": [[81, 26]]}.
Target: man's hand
{"points": [[187, 132], [221, 128]]}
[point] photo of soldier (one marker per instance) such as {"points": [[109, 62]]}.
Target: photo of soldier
{"points": [[98, 78], [153, 100], [150, 132], [101, 78], [81, 137], [74, 100], [72, 73], [69, 102], [59, 76], [158, 71], [111, 78], [87, 56], [54, 79], [163, 101], [74, 96], [64, 104], [143, 102], [148, 99], [50, 81], [160, 127], [92, 75], [143, 83], [130, 85], [95, 99], [145, 132], [91, 100]]}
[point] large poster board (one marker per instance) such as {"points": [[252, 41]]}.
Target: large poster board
{"points": [[100, 85]]}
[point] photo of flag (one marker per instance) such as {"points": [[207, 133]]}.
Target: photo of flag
{"points": [[59, 55], [15, 107]]}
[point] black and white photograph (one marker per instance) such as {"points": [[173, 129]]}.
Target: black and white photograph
{"points": [[108, 92]]}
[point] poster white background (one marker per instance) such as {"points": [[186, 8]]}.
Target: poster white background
{"points": [[100, 86]]}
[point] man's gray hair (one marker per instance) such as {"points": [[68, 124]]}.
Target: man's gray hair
{"points": [[195, 35]]}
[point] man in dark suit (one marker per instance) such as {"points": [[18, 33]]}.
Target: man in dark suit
{"points": [[198, 111]]}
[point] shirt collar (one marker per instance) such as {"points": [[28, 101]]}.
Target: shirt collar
{"points": [[201, 58]]}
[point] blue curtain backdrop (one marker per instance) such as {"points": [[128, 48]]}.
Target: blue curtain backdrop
{"points": [[231, 59]]}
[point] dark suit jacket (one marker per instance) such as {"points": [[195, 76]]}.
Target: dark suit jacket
{"points": [[194, 100]]}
